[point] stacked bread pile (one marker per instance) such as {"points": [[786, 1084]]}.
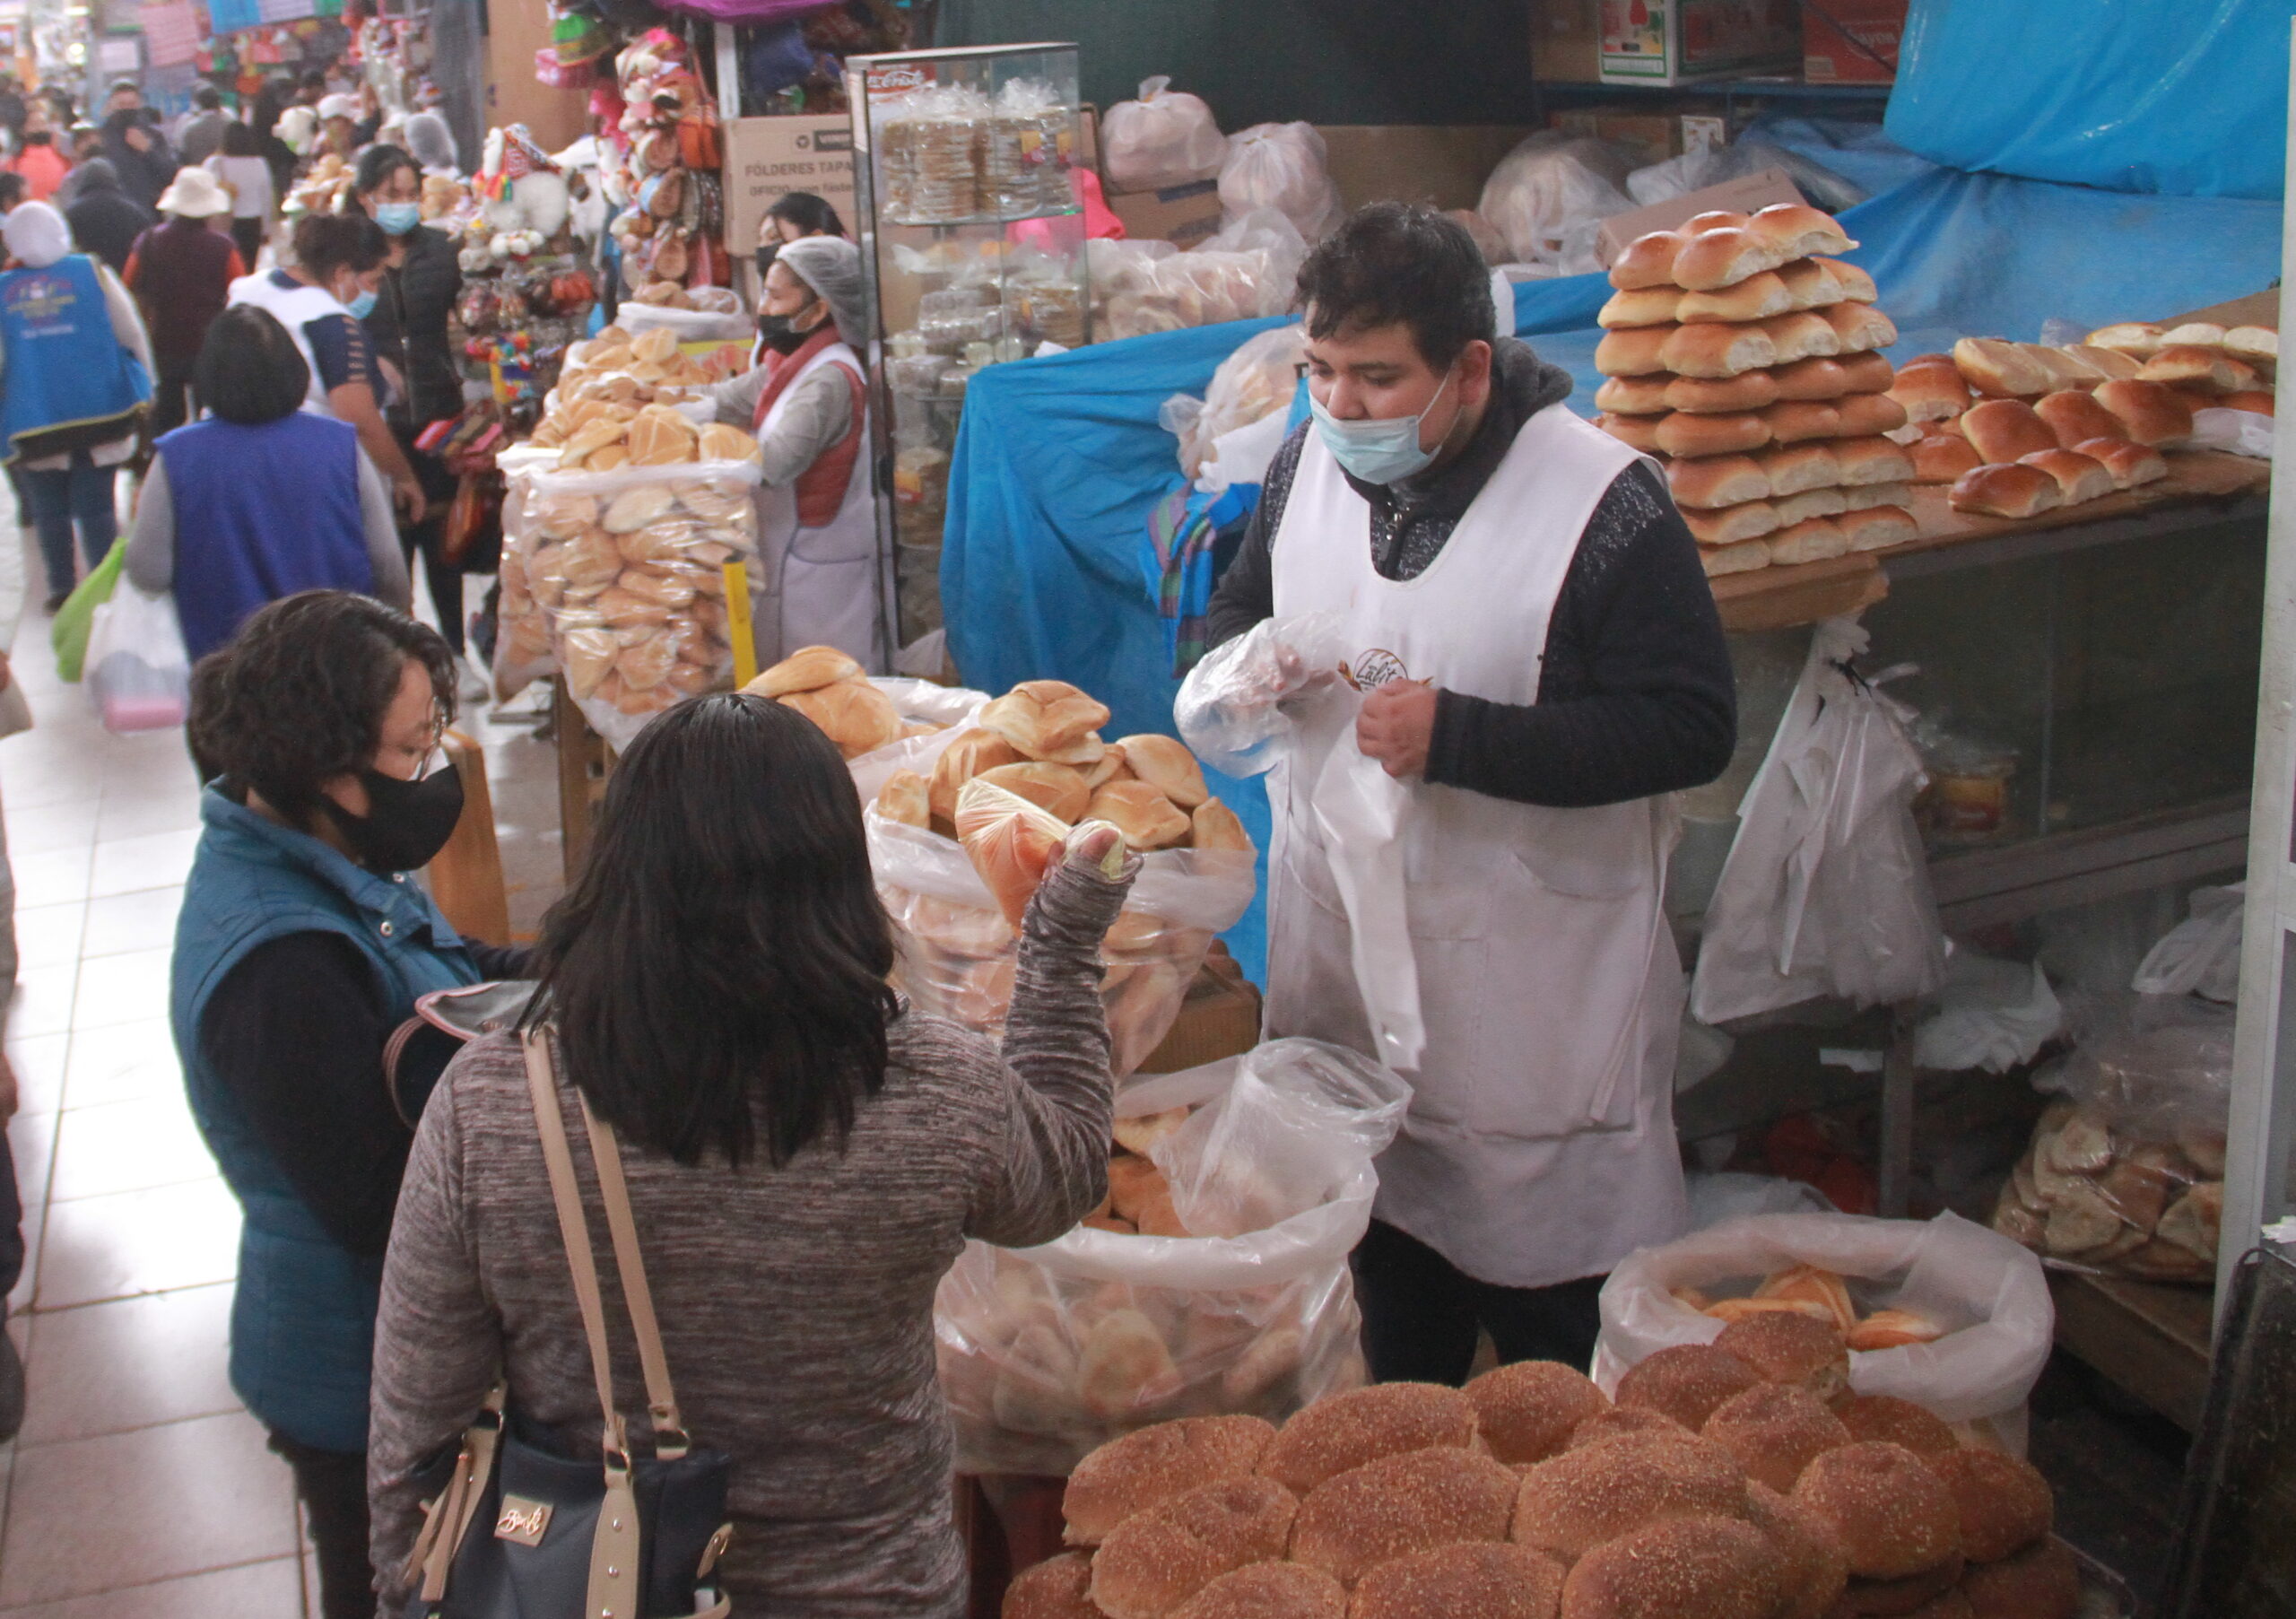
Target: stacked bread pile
{"points": [[612, 407], [2096, 1197], [1746, 360], [1735, 1480], [2209, 365]]}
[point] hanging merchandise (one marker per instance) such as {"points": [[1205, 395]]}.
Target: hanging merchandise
{"points": [[526, 291], [1280, 166], [672, 198]]}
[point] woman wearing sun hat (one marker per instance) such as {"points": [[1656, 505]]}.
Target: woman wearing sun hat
{"points": [[181, 272]]}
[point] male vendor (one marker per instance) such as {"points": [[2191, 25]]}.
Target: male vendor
{"points": [[1532, 649]]}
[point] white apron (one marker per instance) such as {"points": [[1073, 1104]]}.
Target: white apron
{"points": [[293, 307], [821, 586], [1540, 1142]]}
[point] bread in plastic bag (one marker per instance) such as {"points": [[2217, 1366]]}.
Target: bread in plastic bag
{"points": [[1283, 167], [1825, 891], [1987, 1292], [2125, 1174], [522, 652], [1046, 1352], [1256, 381], [1549, 184], [1168, 137], [1230, 708]]}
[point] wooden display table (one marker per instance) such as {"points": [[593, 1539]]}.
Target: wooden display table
{"points": [[2147, 1337]]}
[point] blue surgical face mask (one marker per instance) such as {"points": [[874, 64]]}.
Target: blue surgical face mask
{"points": [[398, 218], [1378, 450], [361, 306]]}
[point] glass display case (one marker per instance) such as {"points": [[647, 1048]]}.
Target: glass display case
{"points": [[973, 234]]}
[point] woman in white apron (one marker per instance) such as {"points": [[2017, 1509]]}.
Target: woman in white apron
{"points": [[822, 576]]}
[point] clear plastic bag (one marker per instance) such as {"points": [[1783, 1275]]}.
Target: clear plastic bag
{"points": [[1230, 709], [1548, 183], [1989, 1294], [2124, 1175], [1989, 1014], [522, 652], [1282, 165], [1168, 137], [2200, 955], [957, 951], [1258, 380], [137, 669], [1826, 889], [629, 566], [1189, 290], [1047, 1352]]}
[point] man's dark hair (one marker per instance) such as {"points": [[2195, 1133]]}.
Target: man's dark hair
{"points": [[314, 80], [208, 99], [328, 242], [1400, 263], [812, 214], [12, 189], [298, 696], [375, 168], [250, 369], [241, 140], [717, 973]]}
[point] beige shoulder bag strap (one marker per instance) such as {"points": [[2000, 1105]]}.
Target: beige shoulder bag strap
{"points": [[566, 1192], [670, 1438]]}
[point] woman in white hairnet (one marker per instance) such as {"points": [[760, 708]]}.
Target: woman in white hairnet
{"points": [[817, 525]]}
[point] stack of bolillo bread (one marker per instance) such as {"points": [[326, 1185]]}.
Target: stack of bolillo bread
{"points": [[1739, 1479], [1746, 360]]}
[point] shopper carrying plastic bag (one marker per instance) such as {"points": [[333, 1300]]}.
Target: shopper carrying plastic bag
{"points": [[1826, 890], [1166, 138], [68, 635], [137, 670]]}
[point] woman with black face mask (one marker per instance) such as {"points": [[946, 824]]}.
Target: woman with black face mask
{"points": [[302, 945], [817, 527]]}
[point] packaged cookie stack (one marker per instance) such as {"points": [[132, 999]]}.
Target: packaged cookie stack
{"points": [[1743, 356], [1732, 1480], [948, 155], [1212, 1280]]}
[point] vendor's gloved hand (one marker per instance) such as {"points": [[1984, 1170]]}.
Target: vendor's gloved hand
{"points": [[1397, 727], [1083, 887], [1231, 707]]}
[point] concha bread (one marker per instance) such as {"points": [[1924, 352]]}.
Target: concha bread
{"points": [[1775, 1429], [1058, 1588], [1791, 1349], [1268, 1590], [1445, 1495], [1138, 1471], [2012, 490], [1686, 1381], [807, 669], [1812, 1569], [1885, 1417]]}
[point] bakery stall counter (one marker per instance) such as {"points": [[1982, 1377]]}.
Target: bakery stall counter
{"points": [[2148, 1338]]}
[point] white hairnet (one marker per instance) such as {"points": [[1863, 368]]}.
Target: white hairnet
{"points": [[832, 266], [37, 234]]}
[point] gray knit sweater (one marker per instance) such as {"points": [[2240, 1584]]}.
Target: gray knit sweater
{"points": [[796, 1304]]}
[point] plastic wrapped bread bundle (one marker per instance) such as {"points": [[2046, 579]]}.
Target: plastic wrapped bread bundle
{"points": [[629, 565], [523, 653], [1046, 1352], [1166, 138]]}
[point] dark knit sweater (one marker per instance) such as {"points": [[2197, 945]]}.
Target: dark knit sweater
{"points": [[1637, 696]]}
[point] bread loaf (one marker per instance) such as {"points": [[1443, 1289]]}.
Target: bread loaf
{"points": [[1998, 369], [1635, 396], [2141, 338], [1335, 1435], [2074, 416], [905, 800], [1717, 1568], [1724, 257], [1641, 307], [1166, 764], [1791, 1348], [1799, 508], [2190, 365], [853, 714], [1637, 433], [1445, 1495], [1717, 481], [1268, 1590], [2078, 477], [1884, 1417], [1812, 1569], [1878, 528], [808, 669], [1793, 468], [1873, 460], [1867, 373], [1633, 352], [1796, 229], [1526, 1411], [1855, 284], [1821, 379], [1157, 1560], [2259, 346], [1217, 827], [1058, 1588], [1804, 335], [1791, 422], [2009, 491], [1813, 539], [2148, 413], [1712, 351], [1706, 395], [720, 441], [1647, 261], [1861, 327], [1715, 219], [1686, 1382], [1865, 414], [1892, 1515], [2130, 464], [1682, 434], [1864, 496], [1941, 457], [1045, 719], [1756, 298], [1732, 523], [1138, 1471], [1147, 819], [2256, 400], [1810, 284], [2042, 1581], [1010, 842], [2005, 1504], [1484, 1581], [1053, 787], [1573, 1503], [2002, 430], [1743, 557]]}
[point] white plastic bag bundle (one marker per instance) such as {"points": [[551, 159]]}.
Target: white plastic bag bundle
{"points": [[1046, 1352], [523, 653], [136, 667], [1989, 1014], [1826, 889], [1282, 165], [2200, 955], [1268, 231], [1988, 1293], [1258, 380], [1550, 193], [1166, 138], [1230, 708]]}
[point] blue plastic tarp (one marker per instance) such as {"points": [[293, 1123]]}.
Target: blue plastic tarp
{"points": [[2184, 97]]}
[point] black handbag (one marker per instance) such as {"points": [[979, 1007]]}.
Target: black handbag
{"points": [[519, 1530]]}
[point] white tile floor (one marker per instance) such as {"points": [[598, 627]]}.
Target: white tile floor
{"points": [[139, 1487]]}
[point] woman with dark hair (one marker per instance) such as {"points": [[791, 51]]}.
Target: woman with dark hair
{"points": [[261, 499], [806, 1158], [246, 174], [796, 216], [333, 283], [407, 329], [301, 946]]}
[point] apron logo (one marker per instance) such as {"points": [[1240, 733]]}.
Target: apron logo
{"points": [[1376, 668]]}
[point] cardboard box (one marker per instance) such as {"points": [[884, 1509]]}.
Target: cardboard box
{"points": [[1852, 41], [1567, 41], [1654, 136], [1682, 41], [767, 158], [1415, 163], [1219, 1018], [1183, 215], [1744, 195]]}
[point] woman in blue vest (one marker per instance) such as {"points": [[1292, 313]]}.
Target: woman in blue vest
{"points": [[261, 499], [75, 372], [302, 945]]}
